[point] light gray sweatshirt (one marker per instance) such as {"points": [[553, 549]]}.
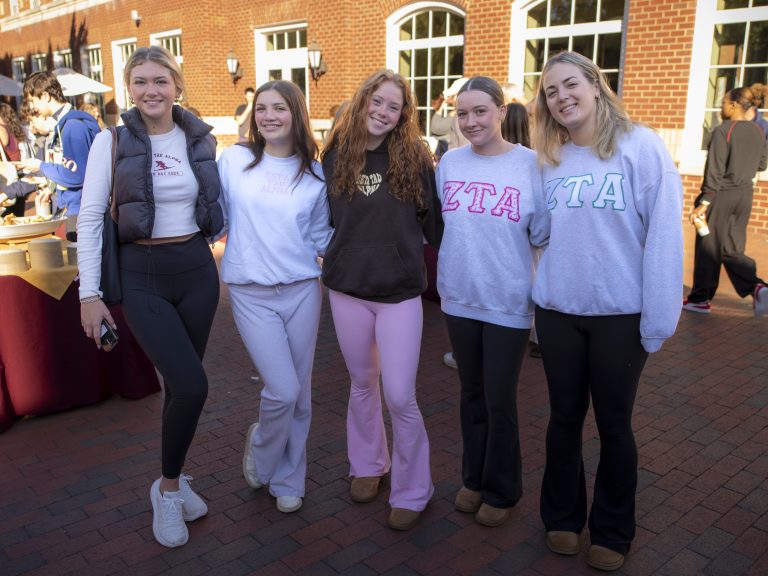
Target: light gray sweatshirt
{"points": [[494, 213], [616, 244]]}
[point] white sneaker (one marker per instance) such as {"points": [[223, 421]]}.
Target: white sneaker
{"points": [[249, 472], [167, 522], [193, 506], [288, 504], [760, 303]]}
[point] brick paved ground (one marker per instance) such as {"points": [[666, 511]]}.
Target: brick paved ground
{"points": [[73, 486]]}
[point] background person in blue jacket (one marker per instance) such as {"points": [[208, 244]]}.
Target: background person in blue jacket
{"points": [[72, 138]]}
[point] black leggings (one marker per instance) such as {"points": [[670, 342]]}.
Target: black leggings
{"points": [[599, 357], [489, 358], [170, 294]]}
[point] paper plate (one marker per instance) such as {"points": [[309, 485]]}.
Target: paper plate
{"points": [[33, 230]]}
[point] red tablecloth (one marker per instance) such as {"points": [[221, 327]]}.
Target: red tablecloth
{"points": [[48, 365]]}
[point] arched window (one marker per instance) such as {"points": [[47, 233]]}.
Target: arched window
{"points": [[590, 27], [426, 45]]}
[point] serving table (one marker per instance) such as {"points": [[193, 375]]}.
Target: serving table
{"points": [[46, 362]]}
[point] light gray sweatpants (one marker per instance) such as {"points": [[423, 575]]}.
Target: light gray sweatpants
{"points": [[279, 325]]}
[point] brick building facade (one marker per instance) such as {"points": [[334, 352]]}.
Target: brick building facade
{"points": [[670, 60]]}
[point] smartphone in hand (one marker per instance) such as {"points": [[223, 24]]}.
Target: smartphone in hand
{"points": [[109, 337]]}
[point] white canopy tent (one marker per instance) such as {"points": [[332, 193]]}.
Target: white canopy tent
{"points": [[9, 87], [73, 83]]}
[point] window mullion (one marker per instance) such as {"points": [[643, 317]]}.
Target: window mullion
{"points": [[743, 62]]}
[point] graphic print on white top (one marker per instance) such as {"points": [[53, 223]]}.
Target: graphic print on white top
{"points": [[166, 165], [276, 183]]}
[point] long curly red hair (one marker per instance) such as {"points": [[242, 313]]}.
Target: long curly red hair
{"points": [[408, 153]]}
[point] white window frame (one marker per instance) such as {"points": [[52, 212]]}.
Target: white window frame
{"points": [[157, 40], [94, 71], [14, 68], [692, 158], [286, 59], [35, 62], [520, 34], [395, 44], [118, 65], [92, 68], [60, 58]]}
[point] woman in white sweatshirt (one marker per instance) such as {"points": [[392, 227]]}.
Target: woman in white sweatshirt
{"points": [[276, 210], [607, 292], [494, 212]]}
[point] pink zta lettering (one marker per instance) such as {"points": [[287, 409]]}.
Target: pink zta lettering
{"points": [[478, 190], [450, 189], [509, 203]]}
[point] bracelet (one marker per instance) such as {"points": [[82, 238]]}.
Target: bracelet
{"points": [[89, 299]]}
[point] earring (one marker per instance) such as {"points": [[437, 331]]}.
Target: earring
{"points": [[130, 99]]}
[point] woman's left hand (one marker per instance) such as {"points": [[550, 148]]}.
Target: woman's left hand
{"points": [[92, 314], [699, 211]]}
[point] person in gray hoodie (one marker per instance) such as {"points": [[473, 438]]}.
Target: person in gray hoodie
{"points": [[607, 291], [494, 212]]}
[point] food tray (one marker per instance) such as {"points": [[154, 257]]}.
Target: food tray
{"points": [[26, 231]]}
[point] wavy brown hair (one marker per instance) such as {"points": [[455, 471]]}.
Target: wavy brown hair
{"points": [[11, 122], [43, 82], [408, 153], [304, 145]]}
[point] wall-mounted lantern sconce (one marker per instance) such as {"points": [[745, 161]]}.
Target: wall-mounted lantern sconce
{"points": [[135, 17], [317, 66], [233, 67]]}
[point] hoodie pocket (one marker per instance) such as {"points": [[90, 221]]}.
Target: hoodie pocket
{"points": [[369, 271]]}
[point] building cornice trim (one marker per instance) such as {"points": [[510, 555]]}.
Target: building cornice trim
{"points": [[48, 11]]}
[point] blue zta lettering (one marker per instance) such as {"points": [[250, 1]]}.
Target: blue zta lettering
{"points": [[611, 191]]}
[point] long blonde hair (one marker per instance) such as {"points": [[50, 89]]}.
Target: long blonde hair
{"points": [[611, 118], [408, 153]]}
